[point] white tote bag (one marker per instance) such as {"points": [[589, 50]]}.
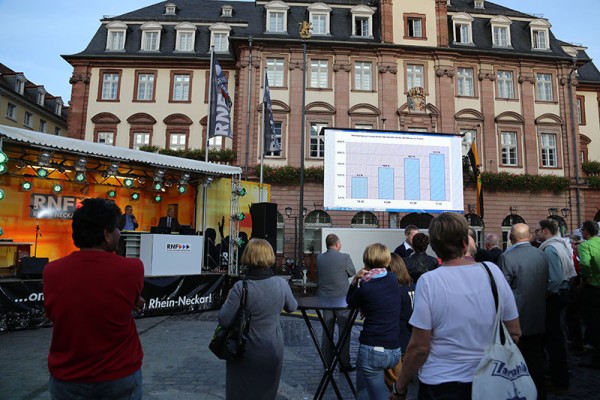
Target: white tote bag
{"points": [[502, 373]]}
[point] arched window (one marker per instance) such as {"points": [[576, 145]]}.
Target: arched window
{"points": [[478, 226], [507, 223], [365, 219], [420, 220], [314, 220]]}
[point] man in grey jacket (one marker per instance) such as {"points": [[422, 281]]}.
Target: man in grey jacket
{"points": [[526, 270], [333, 270]]}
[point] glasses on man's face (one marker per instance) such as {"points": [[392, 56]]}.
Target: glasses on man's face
{"points": [[537, 230]]}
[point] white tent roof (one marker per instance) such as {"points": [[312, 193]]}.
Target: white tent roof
{"points": [[112, 152]]}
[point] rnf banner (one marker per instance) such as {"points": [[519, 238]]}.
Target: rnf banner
{"points": [[220, 104], [271, 143]]}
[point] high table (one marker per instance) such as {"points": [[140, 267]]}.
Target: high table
{"points": [[319, 304]]}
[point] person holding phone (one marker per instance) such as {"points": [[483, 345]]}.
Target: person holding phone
{"points": [[127, 221]]}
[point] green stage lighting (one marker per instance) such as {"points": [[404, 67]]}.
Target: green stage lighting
{"points": [[238, 217], [182, 189], [128, 182], [57, 188], [240, 191], [42, 172], [26, 185], [2, 194], [112, 194], [80, 177], [3, 157], [135, 196], [3, 169], [158, 198], [157, 186]]}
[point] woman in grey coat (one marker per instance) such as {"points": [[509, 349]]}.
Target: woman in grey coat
{"points": [[256, 376]]}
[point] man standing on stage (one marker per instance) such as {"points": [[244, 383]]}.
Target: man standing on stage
{"points": [[89, 296], [333, 270]]}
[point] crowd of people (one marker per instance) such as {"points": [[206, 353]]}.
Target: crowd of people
{"points": [[424, 317]]}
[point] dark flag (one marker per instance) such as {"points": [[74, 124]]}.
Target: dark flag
{"points": [[271, 143], [220, 104], [474, 158]]}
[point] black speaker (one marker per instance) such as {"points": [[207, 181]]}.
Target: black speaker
{"points": [[264, 222], [31, 267]]}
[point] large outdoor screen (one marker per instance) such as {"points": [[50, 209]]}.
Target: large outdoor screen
{"points": [[367, 170]]}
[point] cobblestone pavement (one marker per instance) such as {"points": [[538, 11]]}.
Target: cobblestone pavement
{"points": [[179, 366]]}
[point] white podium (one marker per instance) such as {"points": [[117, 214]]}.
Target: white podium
{"points": [[169, 255]]}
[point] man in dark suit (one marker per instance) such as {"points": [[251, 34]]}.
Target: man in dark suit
{"points": [[333, 270], [169, 221], [405, 249], [127, 221], [526, 270]]}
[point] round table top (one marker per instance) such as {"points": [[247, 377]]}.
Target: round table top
{"points": [[322, 303]]}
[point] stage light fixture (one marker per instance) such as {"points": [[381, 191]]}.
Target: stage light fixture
{"points": [[3, 169], [112, 194], [42, 172], [57, 188], [104, 174], [158, 198], [141, 180], [238, 217], [21, 164], [44, 158], [113, 168], [240, 191], [2, 194], [185, 177], [128, 182], [3, 157], [26, 186], [182, 189], [135, 196], [80, 164], [80, 177], [159, 175], [157, 186], [168, 183]]}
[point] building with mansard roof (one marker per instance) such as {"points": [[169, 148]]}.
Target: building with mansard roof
{"points": [[495, 75]]}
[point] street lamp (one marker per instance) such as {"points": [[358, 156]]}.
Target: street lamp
{"points": [[574, 137], [288, 213]]}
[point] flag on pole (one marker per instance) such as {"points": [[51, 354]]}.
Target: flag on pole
{"points": [[220, 104], [271, 143], [474, 159]]}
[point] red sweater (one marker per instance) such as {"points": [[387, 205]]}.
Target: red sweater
{"points": [[89, 297]]}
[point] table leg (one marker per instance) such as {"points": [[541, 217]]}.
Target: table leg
{"points": [[345, 336]]}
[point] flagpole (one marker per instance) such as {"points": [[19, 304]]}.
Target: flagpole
{"points": [[247, 155], [262, 148], [208, 128]]}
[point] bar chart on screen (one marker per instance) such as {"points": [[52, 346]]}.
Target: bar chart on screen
{"points": [[392, 171]]}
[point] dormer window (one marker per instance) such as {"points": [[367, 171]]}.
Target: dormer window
{"points": [[227, 11], [150, 36], [501, 31], [463, 33], [170, 9], [319, 17], [219, 37], [186, 37], [20, 84], [276, 17], [115, 41], [479, 4], [41, 96], [540, 38], [362, 21], [58, 106]]}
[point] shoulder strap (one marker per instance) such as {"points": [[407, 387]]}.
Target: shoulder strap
{"points": [[244, 293], [493, 284]]}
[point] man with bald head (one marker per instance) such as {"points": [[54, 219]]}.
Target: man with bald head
{"points": [[526, 270]]}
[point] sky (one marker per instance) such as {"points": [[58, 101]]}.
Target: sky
{"points": [[34, 33]]}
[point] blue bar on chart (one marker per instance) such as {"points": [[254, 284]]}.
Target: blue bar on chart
{"points": [[386, 183], [360, 187], [412, 179], [437, 177]]}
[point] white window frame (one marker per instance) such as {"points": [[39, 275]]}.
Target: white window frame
{"points": [[362, 21], [140, 139], [279, 136], [28, 120], [465, 83], [43, 125], [227, 11], [510, 148], [177, 141], [58, 106], [276, 21], [506, 84], [216, 141], [185, 40], [145, 86], [275, 71], [170, 9], [11, 111], [219, 37], [110, 85], [319, 16], [549, 150], [415, 76], [543, 87], [501, 24], [469, 136], [415, 27], [364, 219], [181, 87], [314, 220], [317, 140], [150, 36], [117, 34], [57, 131], [540, 34], [363, 75], [464, 22], [319, 74], [20, 84], [106, 138], [280, 234], [41, 97]]}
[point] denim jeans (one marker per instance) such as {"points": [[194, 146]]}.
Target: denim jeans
{"points": [[370, 366], [128, 388]]}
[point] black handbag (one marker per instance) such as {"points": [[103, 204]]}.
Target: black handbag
{"points": [[229, 343]]}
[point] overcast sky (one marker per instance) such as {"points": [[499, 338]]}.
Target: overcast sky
{"points": [[34, 33]]}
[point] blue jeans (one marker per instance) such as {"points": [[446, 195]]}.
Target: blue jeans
{"points": [[128, 388], [371, 363]]}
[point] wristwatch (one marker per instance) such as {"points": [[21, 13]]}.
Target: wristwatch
{"points": [[398, 393]]}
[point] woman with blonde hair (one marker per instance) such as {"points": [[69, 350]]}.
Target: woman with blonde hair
{"points": [[376, 293], [256, 376]]}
